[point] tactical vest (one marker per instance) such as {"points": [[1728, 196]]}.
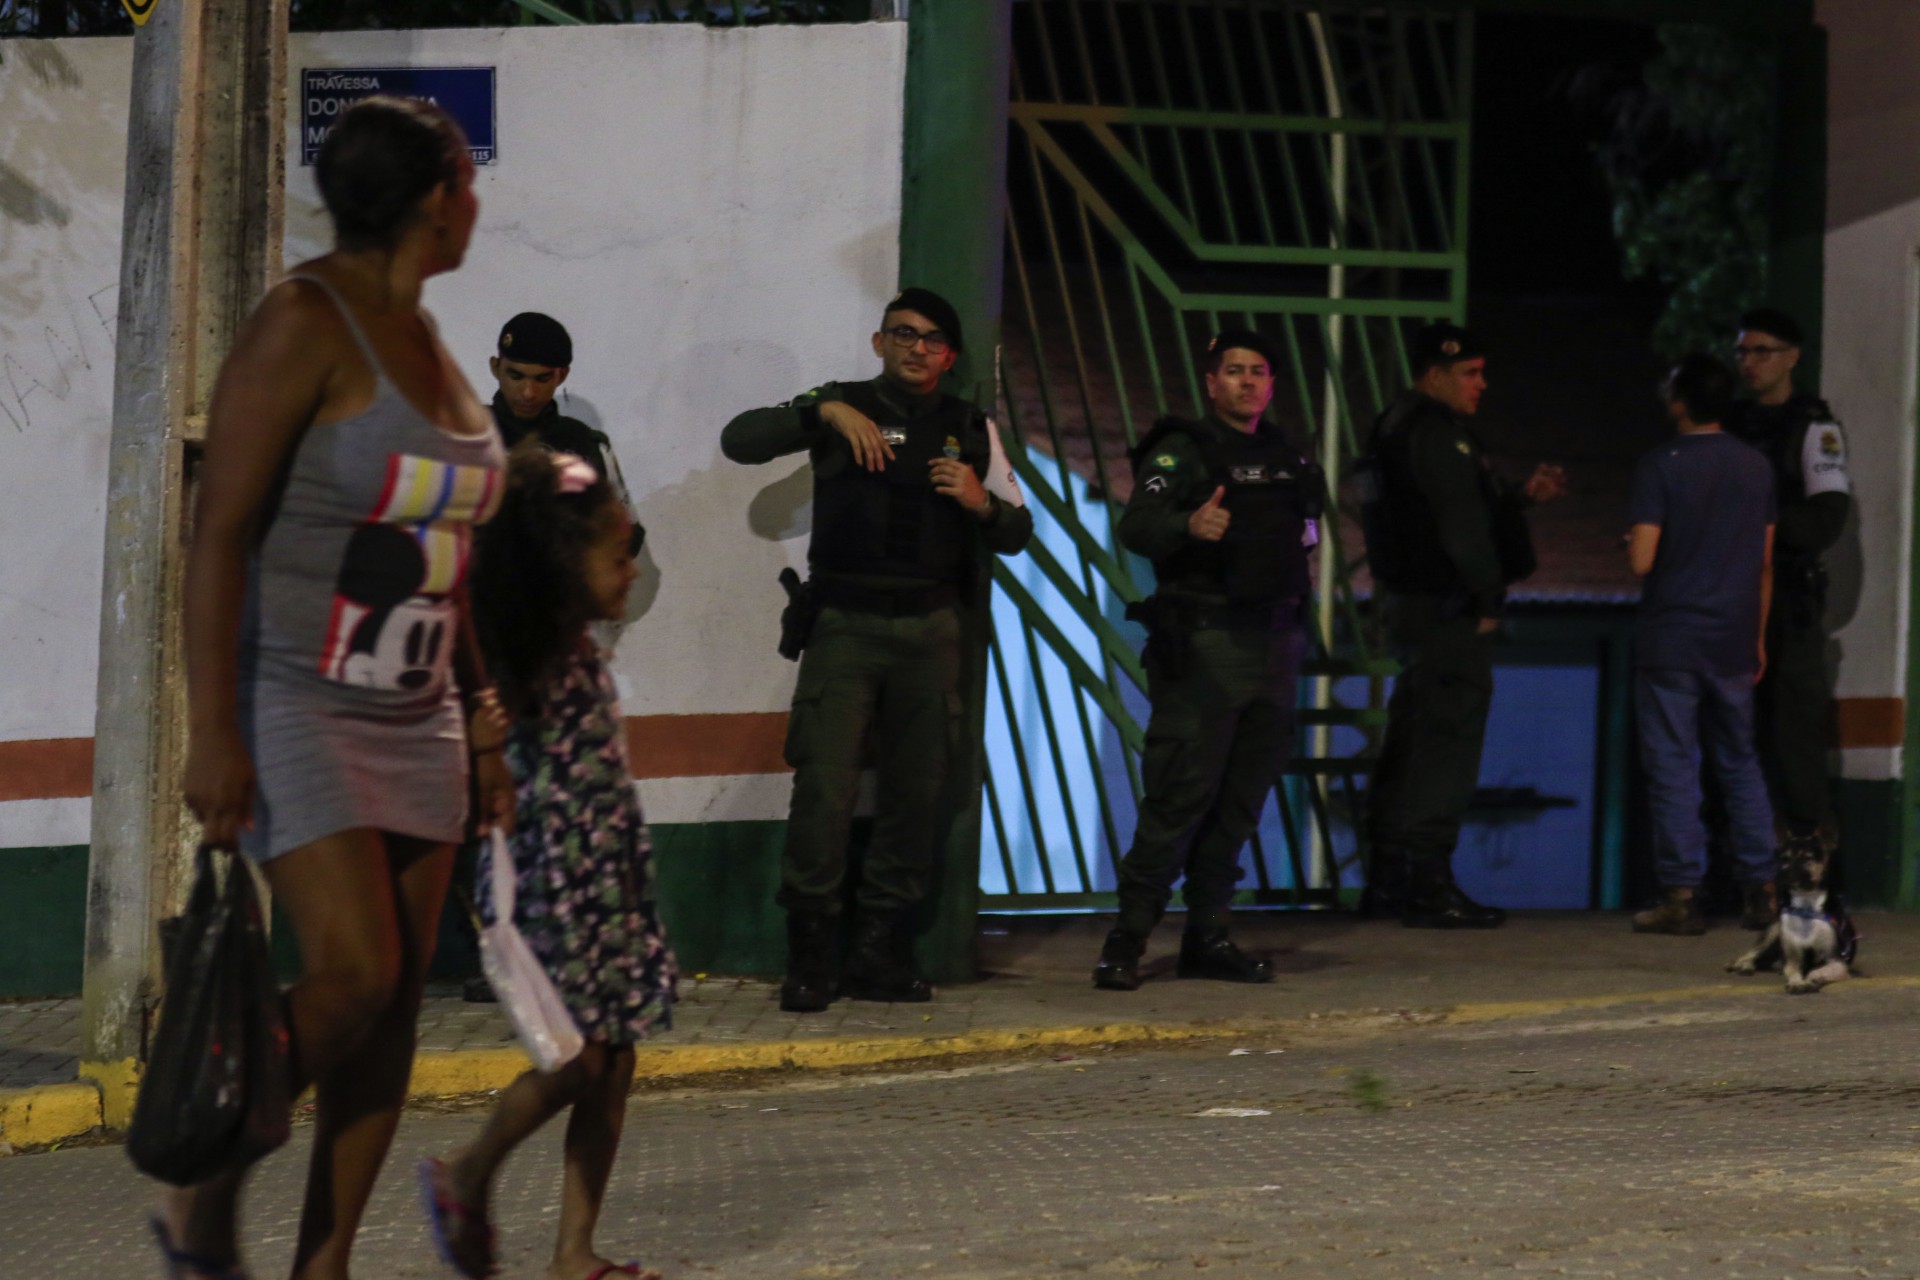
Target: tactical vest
{"points": [[1271, 494], [1404, 550], [893, 522], [1780, 433]]}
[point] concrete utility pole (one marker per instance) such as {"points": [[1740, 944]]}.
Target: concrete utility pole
{"points": [[201, 238]]}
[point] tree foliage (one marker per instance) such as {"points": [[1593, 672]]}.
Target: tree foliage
{"points": [[64, 17], [1688, 161]]}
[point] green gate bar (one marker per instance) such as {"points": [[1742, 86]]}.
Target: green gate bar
{"points": [[1176, 166]]}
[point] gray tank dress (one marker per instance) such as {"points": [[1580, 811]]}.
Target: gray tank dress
{"points": [[347, 698]]}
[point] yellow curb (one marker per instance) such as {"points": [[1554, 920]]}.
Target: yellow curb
{"points": [[450, 1073], [46, 1113], [1758, 985], [52, 1113], [119, 1084]]}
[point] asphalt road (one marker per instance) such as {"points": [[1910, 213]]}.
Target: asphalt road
{"points": [[1758, 1136]]}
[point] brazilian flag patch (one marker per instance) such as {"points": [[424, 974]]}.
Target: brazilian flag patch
{"points": [[1165, 461]]}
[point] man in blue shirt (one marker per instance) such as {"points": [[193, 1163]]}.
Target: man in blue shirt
{"points": [[1702, 538]]}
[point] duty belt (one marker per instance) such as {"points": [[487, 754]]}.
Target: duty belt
{"points": [[1277, 616], [888, 602]]}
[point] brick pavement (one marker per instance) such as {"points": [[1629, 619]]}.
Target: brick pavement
{"points": [[1749, 1139]]}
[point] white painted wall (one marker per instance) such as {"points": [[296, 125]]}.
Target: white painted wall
{"points": [[1871, 335], [63, 118], [714, 214], [1869, 376]]}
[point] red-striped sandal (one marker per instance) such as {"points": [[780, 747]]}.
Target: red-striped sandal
{"points": [[616, 1268]]}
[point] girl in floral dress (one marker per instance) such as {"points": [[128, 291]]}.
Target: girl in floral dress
{"points": [[556, 559]]}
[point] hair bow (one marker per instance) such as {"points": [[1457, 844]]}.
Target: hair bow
{"points": [[573, 473]]}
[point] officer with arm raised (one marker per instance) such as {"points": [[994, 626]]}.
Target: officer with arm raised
{"points": [[1445, 537], [1801, 437], [1226, 509], [911, 497]]}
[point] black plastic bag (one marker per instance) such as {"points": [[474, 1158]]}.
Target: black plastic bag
{"points": [[213, 1097]]}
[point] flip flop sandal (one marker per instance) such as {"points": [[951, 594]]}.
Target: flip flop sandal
{"points": [[444, 1214], [625, 1269], [182, 1265]]}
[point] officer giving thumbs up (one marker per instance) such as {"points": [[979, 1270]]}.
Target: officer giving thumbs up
{"points": [[1209, 523], [1224, 644]]}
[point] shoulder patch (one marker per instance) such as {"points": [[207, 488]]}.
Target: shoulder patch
{"points": [[1165, 461], [1463, 447], [1823, 460]]}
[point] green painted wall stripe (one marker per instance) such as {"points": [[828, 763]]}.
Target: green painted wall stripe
{"points": [[716, 882], [44, 938]]}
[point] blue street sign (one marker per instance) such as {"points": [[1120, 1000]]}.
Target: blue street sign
{"points": [[465, 93]]}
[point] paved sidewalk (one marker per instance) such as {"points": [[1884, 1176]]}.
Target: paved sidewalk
{"points": [[1035, 990]]}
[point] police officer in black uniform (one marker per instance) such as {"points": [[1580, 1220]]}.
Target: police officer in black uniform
{"points": [[1445, 537], [911, 497], [530, 364], [1801, 437], [1226, 510]]}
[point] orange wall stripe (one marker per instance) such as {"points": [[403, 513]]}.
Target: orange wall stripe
{"points": [[46, 769], [1870, 722], [707, 746]]}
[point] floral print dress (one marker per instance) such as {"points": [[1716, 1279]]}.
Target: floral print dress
{"points": [[584, 862]]}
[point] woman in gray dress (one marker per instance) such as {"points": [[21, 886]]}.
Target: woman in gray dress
{"points": [[334, 692]]}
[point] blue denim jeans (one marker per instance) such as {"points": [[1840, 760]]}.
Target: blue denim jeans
{"points": [[1683, 715]]}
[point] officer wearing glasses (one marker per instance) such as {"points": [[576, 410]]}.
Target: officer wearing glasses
{"points": [[1802, 438], [911, 497]]}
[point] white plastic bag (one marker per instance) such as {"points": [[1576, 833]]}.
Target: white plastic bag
{"points": [[527, 995]]}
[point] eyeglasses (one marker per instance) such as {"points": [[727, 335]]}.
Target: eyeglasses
{"points": [[1757, 353], [905, 336]]}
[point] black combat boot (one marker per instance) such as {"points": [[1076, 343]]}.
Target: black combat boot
{"points": [[1435, 901], [1385, 896], [1210, 953], [1119, 967], [881, 966], [813, 962]]}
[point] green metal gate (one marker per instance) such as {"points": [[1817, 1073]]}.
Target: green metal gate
{"points": [[1174, 167]]}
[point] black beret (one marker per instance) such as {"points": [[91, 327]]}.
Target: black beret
{"points": [[1775, 323], [933, 307], [1443, 343], [531, 338], [1245, 339]]}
